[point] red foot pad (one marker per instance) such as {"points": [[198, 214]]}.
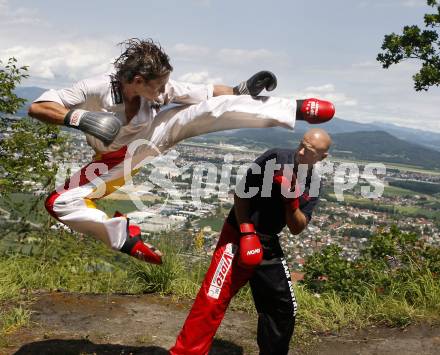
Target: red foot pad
{"points": [[134, 231], [315, 111], [135, 247], [142, 252]]}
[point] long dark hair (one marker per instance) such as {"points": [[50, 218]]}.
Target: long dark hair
{"points": [[141, 57]]}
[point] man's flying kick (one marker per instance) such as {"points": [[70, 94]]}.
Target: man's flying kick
{"points": [[118, 108]]}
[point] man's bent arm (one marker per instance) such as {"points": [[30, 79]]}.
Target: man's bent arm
{"points": [[102, 125], [241, 209], [49, 112], [296, 220]]}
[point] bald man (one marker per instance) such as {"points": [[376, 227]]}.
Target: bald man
{"points": [[265, 201]]}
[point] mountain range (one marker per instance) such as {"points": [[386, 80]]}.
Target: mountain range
{"points": [[378, 146], [426, 138]]}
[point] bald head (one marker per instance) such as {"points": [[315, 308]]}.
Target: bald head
{"points": [[314, 146], [318, 139]]}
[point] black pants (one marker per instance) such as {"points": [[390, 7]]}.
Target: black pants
{"points": [[275, 301]]}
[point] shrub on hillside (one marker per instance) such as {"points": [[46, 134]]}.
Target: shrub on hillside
{"points": [[390, 260]]}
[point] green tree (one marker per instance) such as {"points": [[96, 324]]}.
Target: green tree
{"points": [[416, 43], [28, 149], [10, 76]]}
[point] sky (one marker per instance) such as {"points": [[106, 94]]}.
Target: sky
{"points": [[324, 49]]}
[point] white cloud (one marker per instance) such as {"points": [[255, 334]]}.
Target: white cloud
{"points": [[402, 118], [12, 16], [4, 8], [226, 56], [392, 3], [189, 51], [204, 3], [321, 89], [326, 92], [63, 62], [367, 65], [200, 78], [365, 92], [414, 3], [245, 57]]}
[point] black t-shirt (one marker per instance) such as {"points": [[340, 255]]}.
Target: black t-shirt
{"points": [[267, 208]]}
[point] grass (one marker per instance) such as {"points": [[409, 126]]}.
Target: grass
{"points": [[26, 273], [152, 278], [62, 263], [73, 265], [215, 222], [14, 318], [109, 206], [392, 191], [24, 205], [330, 313]]}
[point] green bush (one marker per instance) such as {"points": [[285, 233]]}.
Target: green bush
{"points": [[393, 263]]}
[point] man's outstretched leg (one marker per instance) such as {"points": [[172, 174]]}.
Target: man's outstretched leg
{"points": [[231, 112]]}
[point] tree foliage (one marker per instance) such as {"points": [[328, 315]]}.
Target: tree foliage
{"points": [[10, 76], [416, 43], [28, 154], [26, 146], [390, 258]]}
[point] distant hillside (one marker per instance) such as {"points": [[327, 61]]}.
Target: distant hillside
{"points": [[30, 93], [268, 137], [418, 136], [384, 147], [427, 139], [336, 125], [370, 145]]}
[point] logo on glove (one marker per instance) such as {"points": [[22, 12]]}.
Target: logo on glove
{"points": [[76, 117], [253, 252], [312, 108]]}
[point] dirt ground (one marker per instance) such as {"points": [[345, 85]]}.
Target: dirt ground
{"points": [[63, 324]]}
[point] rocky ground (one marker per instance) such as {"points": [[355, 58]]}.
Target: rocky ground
{"points": [[64, 323]]}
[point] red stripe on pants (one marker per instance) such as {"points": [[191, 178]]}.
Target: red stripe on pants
{"points": [[207, 312], [110, 159]]}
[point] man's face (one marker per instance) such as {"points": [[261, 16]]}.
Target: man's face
{"points": [[308, 154], [152, 89]]}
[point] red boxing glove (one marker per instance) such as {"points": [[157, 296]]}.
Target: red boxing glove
{"points": [[294, 203], [292, 185], [250, 250], [314, 110], [283, 181]]}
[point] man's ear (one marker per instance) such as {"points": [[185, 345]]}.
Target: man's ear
{"points": [[325, 155]]}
